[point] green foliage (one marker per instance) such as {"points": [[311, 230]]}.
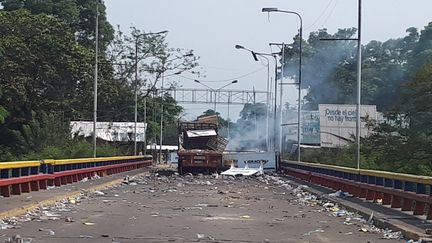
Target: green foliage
{"points": [[43, 68], [3, 112], [79, 15], [330, 67]]}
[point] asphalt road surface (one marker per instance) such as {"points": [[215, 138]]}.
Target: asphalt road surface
{"points": [[160, 206]]}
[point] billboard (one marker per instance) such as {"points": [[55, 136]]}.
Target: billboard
{"points": [[338, 123], [310, 127]]}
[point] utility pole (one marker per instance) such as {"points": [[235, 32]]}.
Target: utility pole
{"points": [[358, 121], [161, 120], [358, 100], [145, 125], [95, 88]]}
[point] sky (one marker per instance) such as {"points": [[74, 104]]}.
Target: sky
{"points": [[213, 27]]}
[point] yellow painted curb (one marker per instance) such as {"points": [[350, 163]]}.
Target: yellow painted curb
{"points": [[24, 209]]}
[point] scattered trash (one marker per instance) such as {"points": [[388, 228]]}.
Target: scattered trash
{"points": [[200, 236], [99, 193], [363, 230], [69, 220], [86, 236], [314, 231], [246, 171], [328, 205], [389, 234], [84, 179], [341, 213], [88, 223], [50, 231], [245, 217], [18, 239], [339, 194]]}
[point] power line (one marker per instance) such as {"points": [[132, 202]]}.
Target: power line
{"points": [[320, 16], [330, 14], [226, 80]]}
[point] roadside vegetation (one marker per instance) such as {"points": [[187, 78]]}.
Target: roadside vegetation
{"points": [[47, 74], [396, 77]]}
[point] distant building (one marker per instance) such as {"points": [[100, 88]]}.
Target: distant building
{"points": [[109, 131]]}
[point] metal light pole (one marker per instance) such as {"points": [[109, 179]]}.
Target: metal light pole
{"points": [[263, 55], [281, 100], [162, 98], [228, 118], [299, 74], [95, 80], [359, 73], [216, 90], [161, 121], [136, 86], [358, 86], [145, 125]]}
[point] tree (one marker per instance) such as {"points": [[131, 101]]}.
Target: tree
{"points": [[330, 67], [3, 112], [43, 69], [156, 60], [221, 122], [79, 15], [327, 66]]}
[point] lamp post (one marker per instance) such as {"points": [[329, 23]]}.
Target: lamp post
{"points": [[162, 98], [359, 75], [263, 55], [268, 10], [95, 79], [136, 86], [216, 90], [215, 101]]}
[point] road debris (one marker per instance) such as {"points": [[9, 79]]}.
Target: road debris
{"points": [[268, 201], [340, 194], [50, 231]]}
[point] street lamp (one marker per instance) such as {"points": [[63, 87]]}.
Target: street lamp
{"points": [[216, 90], [215, 101], [95, 85], [264, 55], [162, 89], [268, 10], [136, 87]]}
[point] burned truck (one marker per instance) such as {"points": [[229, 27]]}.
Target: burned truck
{"points": [[200, 147]]}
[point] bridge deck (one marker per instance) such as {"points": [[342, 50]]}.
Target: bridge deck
{"points": [[188, 209]]}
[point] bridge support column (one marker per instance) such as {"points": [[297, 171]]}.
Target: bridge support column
{"points": [[407, 204], [419, 208], [387, 198], [396, 202], [5, 191], [370, 195], [429, 215]]}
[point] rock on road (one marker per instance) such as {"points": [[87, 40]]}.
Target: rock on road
{"points": [[164, 207]]}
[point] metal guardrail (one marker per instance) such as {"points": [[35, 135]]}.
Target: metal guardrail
{"points": [[406, 182], [405, 191], [19, 168], [27, 176]]}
